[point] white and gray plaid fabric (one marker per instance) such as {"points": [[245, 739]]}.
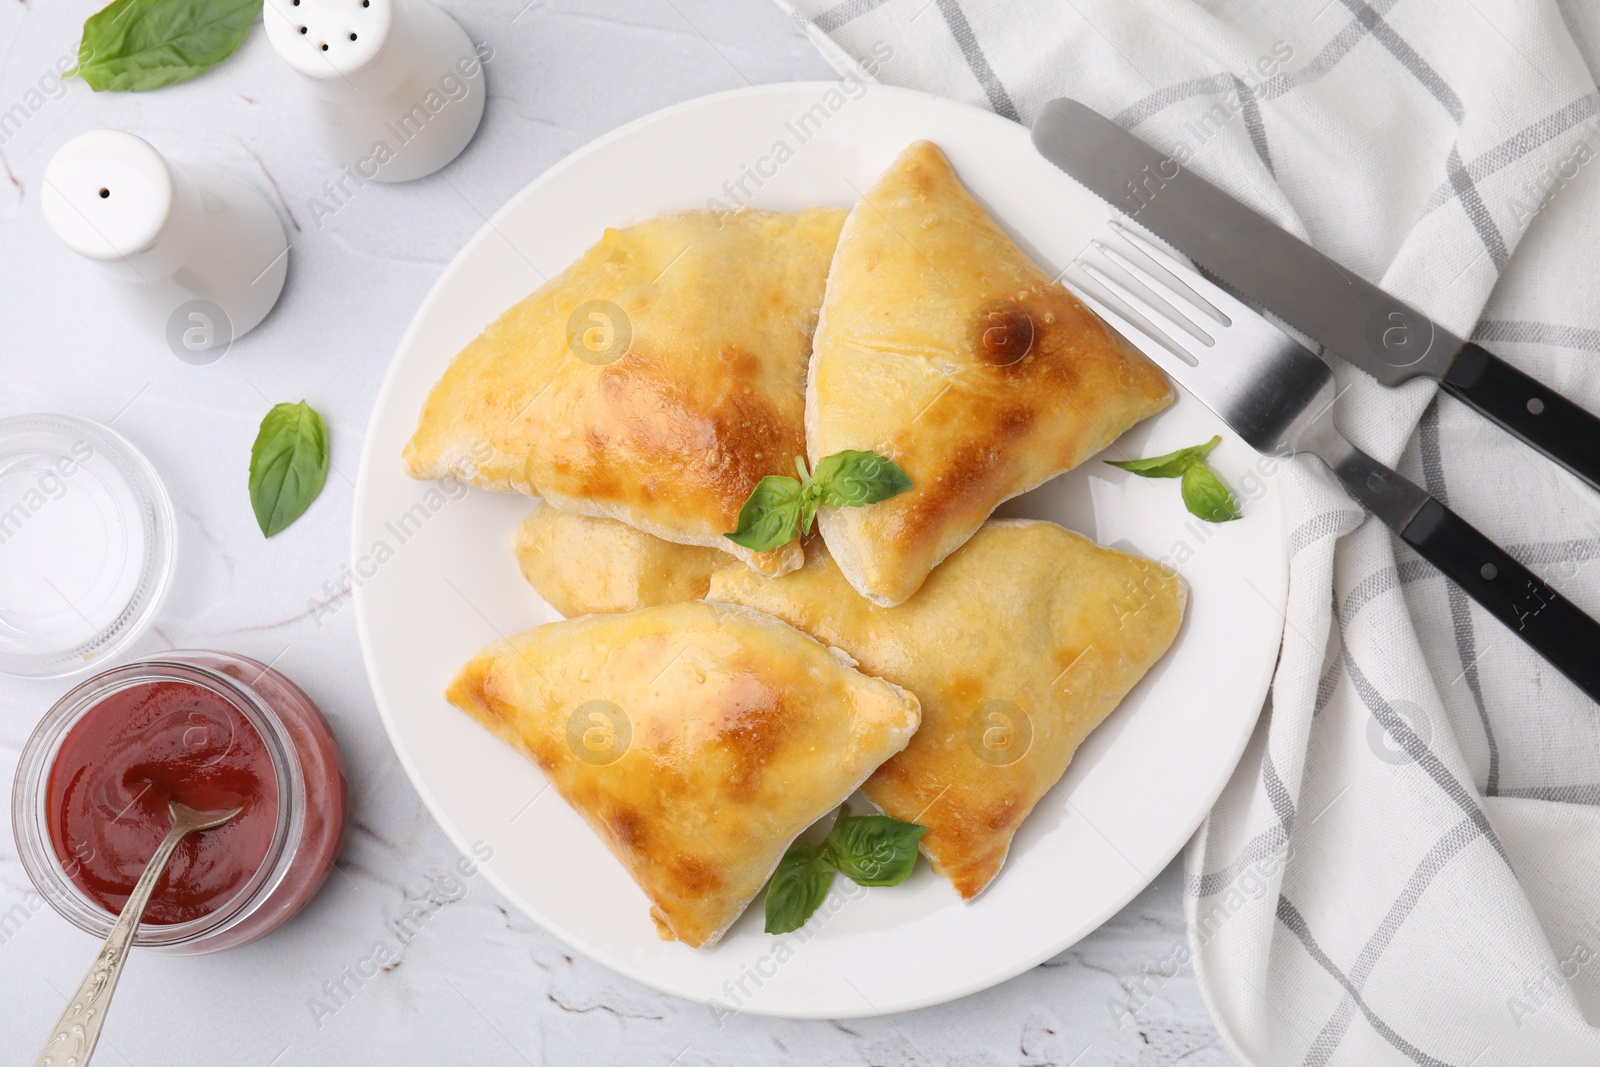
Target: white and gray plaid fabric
{"points": [[1406, 866]]}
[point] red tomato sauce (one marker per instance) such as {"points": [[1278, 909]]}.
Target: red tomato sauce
{"points": [[112, 778]]}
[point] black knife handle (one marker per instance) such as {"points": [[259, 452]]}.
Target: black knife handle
{"points": [[1529, 409], [1550, 623]]}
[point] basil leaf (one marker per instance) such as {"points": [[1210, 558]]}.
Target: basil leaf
{"points": [[874, 849], [134, 45], [853, 479], [288, 464], [770, 516], [1206, 497], [828, 467], [798, 887], [1171, 465]]}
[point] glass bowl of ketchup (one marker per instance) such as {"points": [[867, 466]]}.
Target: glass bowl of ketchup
{"points": [[211, 730]]}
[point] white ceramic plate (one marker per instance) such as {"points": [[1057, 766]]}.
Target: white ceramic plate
{"points": [[437, 580]]}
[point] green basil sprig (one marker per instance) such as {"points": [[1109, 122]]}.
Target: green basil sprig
{"points": [[1204, 494], [134, 45], [867, 849], [778, 505], [288, 464]]}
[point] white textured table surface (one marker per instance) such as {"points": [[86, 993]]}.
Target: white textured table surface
{"points": [[476, 982]]}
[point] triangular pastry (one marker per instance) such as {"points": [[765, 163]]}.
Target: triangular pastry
{"points": [[1022, 642], [582, 565], [944, 347], [655, 381], [698, 740]]}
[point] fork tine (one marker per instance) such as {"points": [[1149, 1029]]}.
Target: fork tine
{"points": [[1189, 311], [1219, 298], [1147, 338], [1141, 306]]}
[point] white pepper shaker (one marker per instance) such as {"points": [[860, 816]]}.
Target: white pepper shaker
{"points": [[397, 86], [193, 253]]}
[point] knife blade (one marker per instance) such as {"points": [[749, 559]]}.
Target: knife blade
{"points": [[1271, 267]]}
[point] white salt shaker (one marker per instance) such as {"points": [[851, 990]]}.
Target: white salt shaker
{"points": [[397, 86], [193, 253]]}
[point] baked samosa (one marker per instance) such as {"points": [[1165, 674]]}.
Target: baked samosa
{"points": [[1022, 642], [583, 565], [698, 740], [655, 381], [942, 346]]}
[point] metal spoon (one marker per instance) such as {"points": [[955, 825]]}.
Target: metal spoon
{"points": [[72, 1041]]}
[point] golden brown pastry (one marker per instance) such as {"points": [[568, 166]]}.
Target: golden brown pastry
{"points": [[698, 740], [655, 381], [1022, 642], [943, 347], [585, 566]]}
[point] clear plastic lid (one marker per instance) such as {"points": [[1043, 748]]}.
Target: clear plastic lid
{"points": [[86, 543]]}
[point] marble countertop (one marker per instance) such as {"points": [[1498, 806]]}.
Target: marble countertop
{"points": [[477, 982]]}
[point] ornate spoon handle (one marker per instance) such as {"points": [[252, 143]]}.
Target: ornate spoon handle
{"points": [[72, 1041]]}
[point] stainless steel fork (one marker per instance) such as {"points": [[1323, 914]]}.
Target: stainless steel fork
{"points": [[1278, 395]]}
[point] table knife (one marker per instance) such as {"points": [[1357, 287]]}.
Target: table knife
{"points": [[1275, 270]]}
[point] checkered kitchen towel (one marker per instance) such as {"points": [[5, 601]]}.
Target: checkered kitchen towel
{"points": [[1406, 866]]}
